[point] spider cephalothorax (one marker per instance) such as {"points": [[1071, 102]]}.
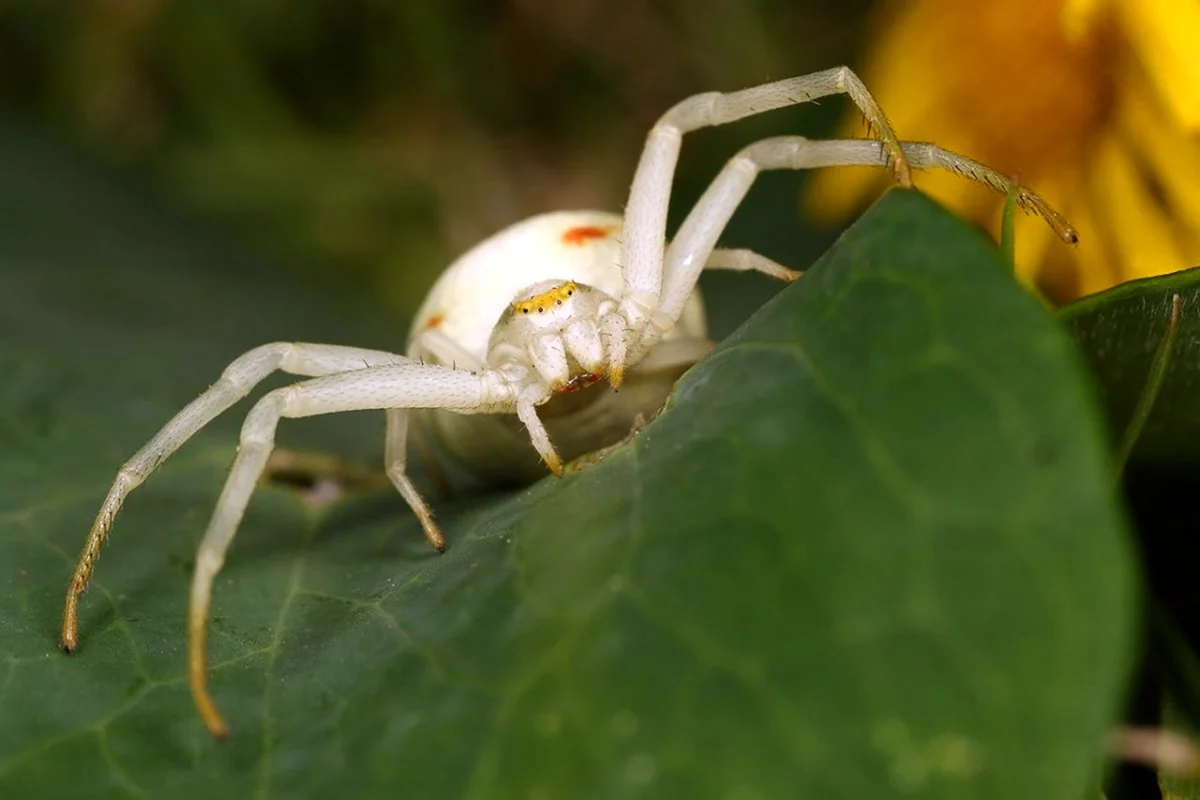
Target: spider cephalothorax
{"points": [[532, 318]]}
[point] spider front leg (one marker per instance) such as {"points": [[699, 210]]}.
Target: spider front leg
{"points": [[246, 371], [646, 212], [693, 246], [739, 259], [402, 386]]}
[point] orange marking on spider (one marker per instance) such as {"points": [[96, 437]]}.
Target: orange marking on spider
{"points": [[435, 321], [581, 234]]}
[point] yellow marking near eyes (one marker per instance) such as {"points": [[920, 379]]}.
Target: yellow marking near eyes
{"points": [[540, 303]]}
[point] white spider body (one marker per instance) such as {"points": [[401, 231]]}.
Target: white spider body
{"points": [[460, 313], [527, 324]]}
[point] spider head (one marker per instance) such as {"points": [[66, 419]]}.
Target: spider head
{"points": [[553, 328], [550, 305]]}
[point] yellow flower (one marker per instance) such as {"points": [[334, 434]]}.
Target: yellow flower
{"points": [[1095, 104]]}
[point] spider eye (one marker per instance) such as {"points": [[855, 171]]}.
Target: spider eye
{"points": [[540, 309], [558, 302], [570, 292], [524, 310]]}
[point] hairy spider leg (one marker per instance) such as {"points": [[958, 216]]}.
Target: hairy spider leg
{"points": [[693, 246], [236, 381], [397, 386], [649, 195]]}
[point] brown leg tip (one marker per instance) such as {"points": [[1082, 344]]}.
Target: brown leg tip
{"points": [[67, 648], [435, 538], [213, 722]]}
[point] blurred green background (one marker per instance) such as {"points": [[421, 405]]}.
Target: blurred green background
{"points": [[375, 140]]}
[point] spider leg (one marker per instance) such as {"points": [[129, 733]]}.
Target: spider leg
{"points": [[742, 260], [694, 243], [395, 458], [680, 351], [927, 156], [527, 413], [646, 212], [235, 383], [398, 386], [444, 349]]}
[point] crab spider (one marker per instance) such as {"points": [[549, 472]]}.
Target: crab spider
{"points": [[515, 333]]}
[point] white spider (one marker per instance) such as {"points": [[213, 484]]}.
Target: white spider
{"points": [[525, 321]]}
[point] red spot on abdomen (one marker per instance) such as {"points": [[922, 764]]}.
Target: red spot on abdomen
{"points": [[434, 321], [582, 233]]}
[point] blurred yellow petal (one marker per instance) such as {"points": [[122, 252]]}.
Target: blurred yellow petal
{"points": [[1079, 17], [1141, 234], [835, 193], [1093, 264], [945, 71], [1030, 247], [1096, 103], [1166, 35], [1173, 155], [901, 72], [953, 72]]}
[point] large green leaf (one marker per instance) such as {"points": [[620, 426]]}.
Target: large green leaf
{"points": [[871, 548], [1119, 332]]}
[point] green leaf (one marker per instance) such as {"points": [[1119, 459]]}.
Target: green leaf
{"points": [[871, 548], [1120, 332]]}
